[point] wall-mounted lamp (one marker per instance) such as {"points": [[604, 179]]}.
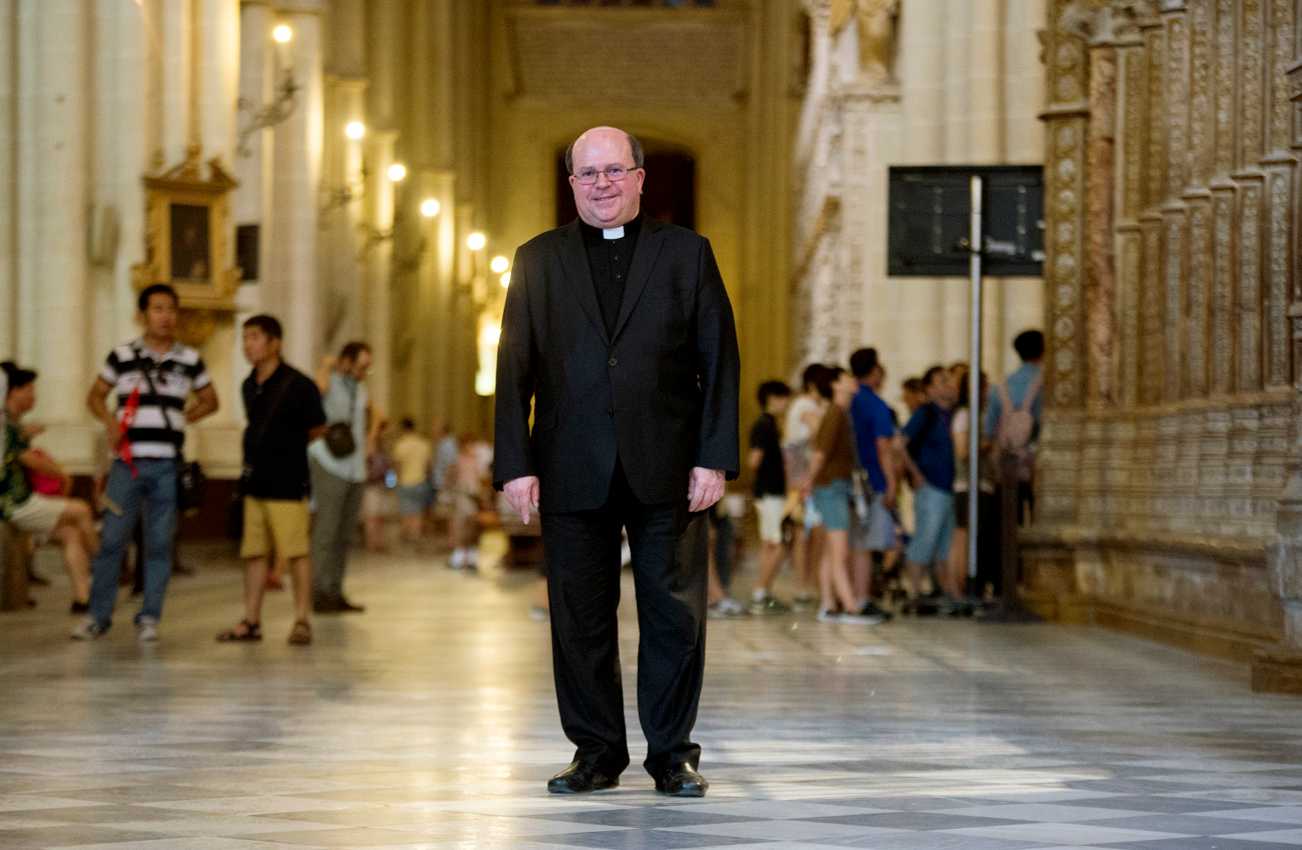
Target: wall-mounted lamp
{"points": [[355, 130], [499, 264], [476, 241], [506, 279], [397, 172], [273, 113], [430, 207]]}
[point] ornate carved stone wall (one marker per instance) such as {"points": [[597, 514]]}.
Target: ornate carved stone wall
{"points": [[1171, 490]]}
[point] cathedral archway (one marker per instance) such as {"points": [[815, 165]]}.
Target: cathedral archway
{"points": [[668, 195]]}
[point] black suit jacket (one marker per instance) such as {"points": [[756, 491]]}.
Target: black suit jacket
{"points": [[660, 393]]}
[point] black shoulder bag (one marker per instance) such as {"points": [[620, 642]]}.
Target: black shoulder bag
{"points": [[339, 438], [190, 480]]}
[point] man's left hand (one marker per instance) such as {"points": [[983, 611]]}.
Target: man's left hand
{"points": [[705, 488]]}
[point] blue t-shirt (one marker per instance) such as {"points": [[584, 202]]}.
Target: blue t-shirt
{"points": [[935, 447], [872, 420]]}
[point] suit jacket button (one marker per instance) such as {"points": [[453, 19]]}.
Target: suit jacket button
{"points": [[612, 362]]}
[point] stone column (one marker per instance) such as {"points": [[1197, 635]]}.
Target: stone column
{"points": [[251, 201], [29, 85], [296, 184], [343, 188], [1100, 187], [58, 207], [119, 155], [216, 70], [178, 125], [8, 177], [378, 263], [384, 26]]}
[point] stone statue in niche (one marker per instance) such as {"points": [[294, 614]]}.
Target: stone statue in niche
{"points": [[875, 24]]}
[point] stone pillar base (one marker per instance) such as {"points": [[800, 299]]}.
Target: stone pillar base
{"points": [[1277, 671]]}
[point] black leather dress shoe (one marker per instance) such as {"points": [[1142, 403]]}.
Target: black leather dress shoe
{"points": [[347, 607], [580, 778], [681, 780]]}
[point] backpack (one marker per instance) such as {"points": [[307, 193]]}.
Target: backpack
{"points": [[1016, 429]]}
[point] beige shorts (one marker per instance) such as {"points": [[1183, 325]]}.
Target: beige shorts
{"points": [[39, 515], [275, 524], [770, 510]]}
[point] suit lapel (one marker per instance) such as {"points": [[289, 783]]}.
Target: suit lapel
{"points": [[644, 260], [575, 258]]}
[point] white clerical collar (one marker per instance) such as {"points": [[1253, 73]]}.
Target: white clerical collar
{"points": [[612, 232]]}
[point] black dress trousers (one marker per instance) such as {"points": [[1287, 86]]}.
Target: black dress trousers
{"points": [[583, 584]]}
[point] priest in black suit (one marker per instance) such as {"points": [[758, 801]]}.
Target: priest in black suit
{"points": [[619, 330]]}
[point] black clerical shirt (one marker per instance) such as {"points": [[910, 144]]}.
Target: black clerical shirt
{"points": [[609, 260]]}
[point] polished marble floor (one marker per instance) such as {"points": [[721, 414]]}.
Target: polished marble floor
{"points": [[429, 722]]}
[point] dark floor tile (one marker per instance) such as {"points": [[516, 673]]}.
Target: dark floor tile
{"points": [[919, 821], [1197, 824], [642, 818], [636, 839]]}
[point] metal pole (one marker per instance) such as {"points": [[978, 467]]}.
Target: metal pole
{"points": [[974, 384]]}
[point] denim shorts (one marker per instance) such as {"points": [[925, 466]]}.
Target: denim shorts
{"points": [[877, 533], [415, 499], [933, 525], [832, 501]]}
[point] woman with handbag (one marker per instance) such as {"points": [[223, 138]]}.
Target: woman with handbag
{"points": [[830, 483]]}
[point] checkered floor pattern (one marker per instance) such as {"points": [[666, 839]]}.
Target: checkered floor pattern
{"points": [[429, 722]]}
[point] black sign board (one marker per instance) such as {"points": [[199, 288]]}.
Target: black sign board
{"points": [[929, 220]]}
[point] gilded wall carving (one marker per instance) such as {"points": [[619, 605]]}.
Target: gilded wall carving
{"points": [[1198, 145], [1222, 300], [1251, 79], [1249, 301], [1225, 78]]}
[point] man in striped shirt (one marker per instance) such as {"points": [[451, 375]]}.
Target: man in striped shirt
{"points": [[152, 378]]}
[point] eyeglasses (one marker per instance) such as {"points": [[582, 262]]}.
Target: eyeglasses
{"points": [[614, 173]]}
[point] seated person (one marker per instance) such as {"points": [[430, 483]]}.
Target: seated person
{"points": [[69, 521]]}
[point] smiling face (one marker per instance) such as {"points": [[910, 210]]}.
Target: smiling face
{"points": [[606, 203]]}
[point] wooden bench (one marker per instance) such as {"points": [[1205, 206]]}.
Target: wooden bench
{"points": [[15, 561]]}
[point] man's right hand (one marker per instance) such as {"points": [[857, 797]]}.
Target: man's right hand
{"points": [[522, 493], [113, 430]]}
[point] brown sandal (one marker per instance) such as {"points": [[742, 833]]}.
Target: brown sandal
{"points": [[301, 634], [244, 632]]}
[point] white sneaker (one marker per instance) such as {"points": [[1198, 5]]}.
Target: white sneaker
{"points": [[147, 630], [828, 616], [859, 619], [731, 607], [458, 559], [87, 629]]}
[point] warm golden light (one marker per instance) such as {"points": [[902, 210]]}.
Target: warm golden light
{"points": [[430, 207], [506, 279], [355, 130], [499, 264], [397, 172], [282, 33], [476, 241]]}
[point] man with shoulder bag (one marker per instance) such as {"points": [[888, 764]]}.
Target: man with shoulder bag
{"points": [[152, 377], [337, 460], [284, 415]]}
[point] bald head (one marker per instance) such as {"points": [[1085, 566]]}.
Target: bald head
{"points": [[636, 156], [605, 165]]}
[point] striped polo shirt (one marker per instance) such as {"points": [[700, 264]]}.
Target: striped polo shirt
{"points": [[175, 374]]}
